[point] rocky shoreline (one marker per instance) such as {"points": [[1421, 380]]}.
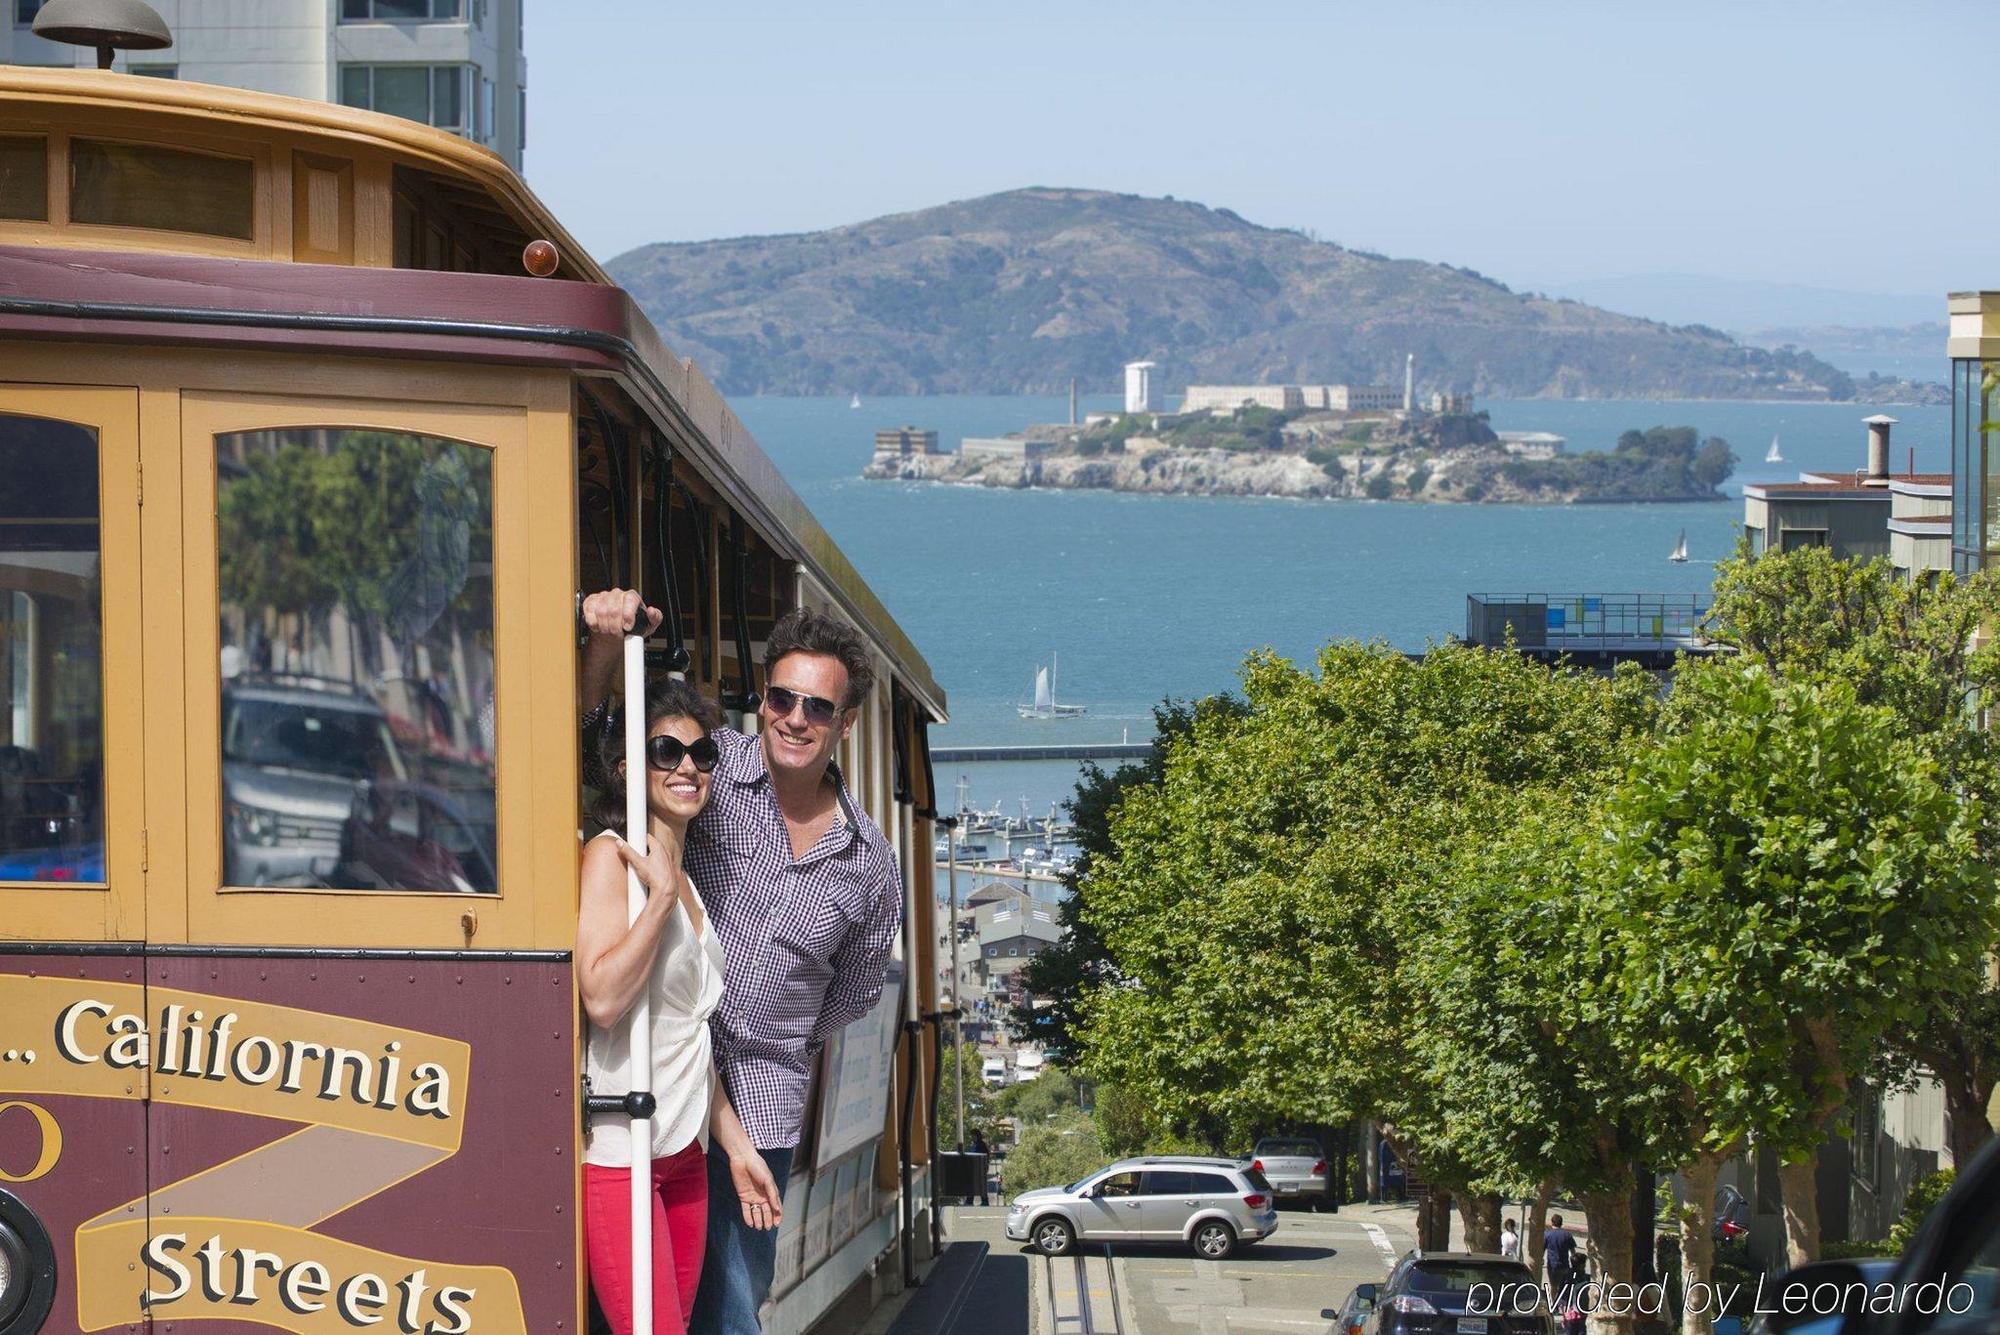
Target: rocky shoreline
{"points": [[1465, 475]]}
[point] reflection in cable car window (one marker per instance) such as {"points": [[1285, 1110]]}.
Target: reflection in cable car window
{"points": [[356, 576], [51, 610]]}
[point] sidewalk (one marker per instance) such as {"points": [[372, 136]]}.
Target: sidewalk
{"points": [[1404, 1216]]}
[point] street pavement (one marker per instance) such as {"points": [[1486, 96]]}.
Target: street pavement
{"points": [[1290, 1285], [1293, 1284]]}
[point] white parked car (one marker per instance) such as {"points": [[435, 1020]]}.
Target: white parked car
{"points": [[993, 1071]]}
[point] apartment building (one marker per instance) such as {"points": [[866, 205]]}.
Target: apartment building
{"points": [[454, 64]]}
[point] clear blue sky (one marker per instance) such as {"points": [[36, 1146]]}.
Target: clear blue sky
{"points": [[1824, 143]]}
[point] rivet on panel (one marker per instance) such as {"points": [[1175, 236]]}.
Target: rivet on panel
{"points": [[362, 978]]}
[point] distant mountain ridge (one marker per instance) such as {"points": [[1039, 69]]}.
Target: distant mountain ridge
{"points": [[1018, 292], [1741, 304]]}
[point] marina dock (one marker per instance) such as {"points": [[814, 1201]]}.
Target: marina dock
{"points": [[1073, 751]]}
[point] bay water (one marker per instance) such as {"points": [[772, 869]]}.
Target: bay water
{"points": [[1142, 598]]}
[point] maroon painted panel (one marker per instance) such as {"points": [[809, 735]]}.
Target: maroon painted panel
{"points": [[325, 1139], [101, 1163], [505, 1198]]}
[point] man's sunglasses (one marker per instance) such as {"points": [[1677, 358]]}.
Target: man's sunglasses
{"points": [[664, 753], [820, 711]]}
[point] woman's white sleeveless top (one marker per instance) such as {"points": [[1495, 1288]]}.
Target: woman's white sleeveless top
{"points": [[686, 987]]}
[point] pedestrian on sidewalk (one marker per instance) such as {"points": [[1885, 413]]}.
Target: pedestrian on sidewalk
{"points": [[979, 1148], [1510, 1241], [1558, 1252]]}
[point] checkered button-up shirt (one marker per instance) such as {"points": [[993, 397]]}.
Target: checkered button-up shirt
{"points": [[806, 940]]}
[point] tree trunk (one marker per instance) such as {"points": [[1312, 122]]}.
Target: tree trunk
{"points": [[1434, 1219], [1797, 1178], [1537, 1224], [1965, 1104], [1371, 1160], [1481, 1216], [1698, 1244], [1610, 1250]]}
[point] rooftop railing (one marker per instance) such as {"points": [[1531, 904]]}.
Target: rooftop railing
{"points": [[1583, 623]]}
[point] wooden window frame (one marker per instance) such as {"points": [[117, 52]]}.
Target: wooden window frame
{"points": [[228, 914], [115, 909]]}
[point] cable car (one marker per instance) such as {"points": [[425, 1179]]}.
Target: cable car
{"points": [[314, 424]]}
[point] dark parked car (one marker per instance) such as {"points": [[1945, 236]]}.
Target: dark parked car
{"points": [[1457, 1293], [1354, 1310]]}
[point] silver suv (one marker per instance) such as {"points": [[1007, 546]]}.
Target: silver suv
{"points": [[1210, 1205]]}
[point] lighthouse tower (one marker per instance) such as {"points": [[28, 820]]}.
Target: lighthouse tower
{"points": [[1410, 383]]}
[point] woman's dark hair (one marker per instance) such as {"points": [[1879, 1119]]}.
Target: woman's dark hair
{"points": [[804, 631], [669, 698]]}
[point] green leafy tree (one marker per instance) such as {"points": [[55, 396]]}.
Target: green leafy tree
{"points": [[1918, 649], [1530, 1082], [1058, 977], [1294, 849], [1784, 874], [1054, 1154]]}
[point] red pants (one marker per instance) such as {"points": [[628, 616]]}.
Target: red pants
{"points": [[680, 1227]]}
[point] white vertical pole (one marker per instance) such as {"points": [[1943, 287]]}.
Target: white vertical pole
{"points": [[639, 1050], [957, 1012]]}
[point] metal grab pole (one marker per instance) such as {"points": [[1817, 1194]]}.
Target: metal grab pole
{"points": [[639, 1039], [957, 1008]]}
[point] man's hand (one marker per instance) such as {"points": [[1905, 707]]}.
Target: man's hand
{"points": [[763, 1206], [608, 615], [615, 612]]}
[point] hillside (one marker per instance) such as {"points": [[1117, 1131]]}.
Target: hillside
{"points": [[1018, 292]]}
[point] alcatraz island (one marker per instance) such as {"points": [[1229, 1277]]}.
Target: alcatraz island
{"points": [[1315, 441]]}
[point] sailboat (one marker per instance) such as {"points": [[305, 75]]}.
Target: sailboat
{"points": [[854, 401], [1772, 455], [1680, 551], [1045, 705]]}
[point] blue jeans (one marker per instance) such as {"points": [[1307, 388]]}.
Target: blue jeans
{"points": [[736, 1269]]}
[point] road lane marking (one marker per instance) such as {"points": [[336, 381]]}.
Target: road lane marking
{"points": [[1381, 1240]]}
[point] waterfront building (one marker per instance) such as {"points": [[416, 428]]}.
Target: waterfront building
{"points": [[1920, 523], [1013, 449], [1590, 629], [900, 442], [1863, 515], [1012, 932], [1453, 405], [1291, 398], [454, 64], [1142, 389], [1362, 398], [1973, 345], [1527, 444]]}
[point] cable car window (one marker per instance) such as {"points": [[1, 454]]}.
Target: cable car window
{"points": [[24, 178], [51, 661], [356, 577], [170, 189]]}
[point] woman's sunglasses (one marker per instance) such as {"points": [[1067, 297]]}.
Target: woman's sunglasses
{"points": [[664, 753], [820, 711]]}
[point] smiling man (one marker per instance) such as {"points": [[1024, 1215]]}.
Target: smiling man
{"points": [[803, 890]]}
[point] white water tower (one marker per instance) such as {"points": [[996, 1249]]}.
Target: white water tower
{"points": [[1141, 395]]}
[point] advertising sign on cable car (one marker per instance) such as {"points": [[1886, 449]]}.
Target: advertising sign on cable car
{"points": [[858, 1071]]}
